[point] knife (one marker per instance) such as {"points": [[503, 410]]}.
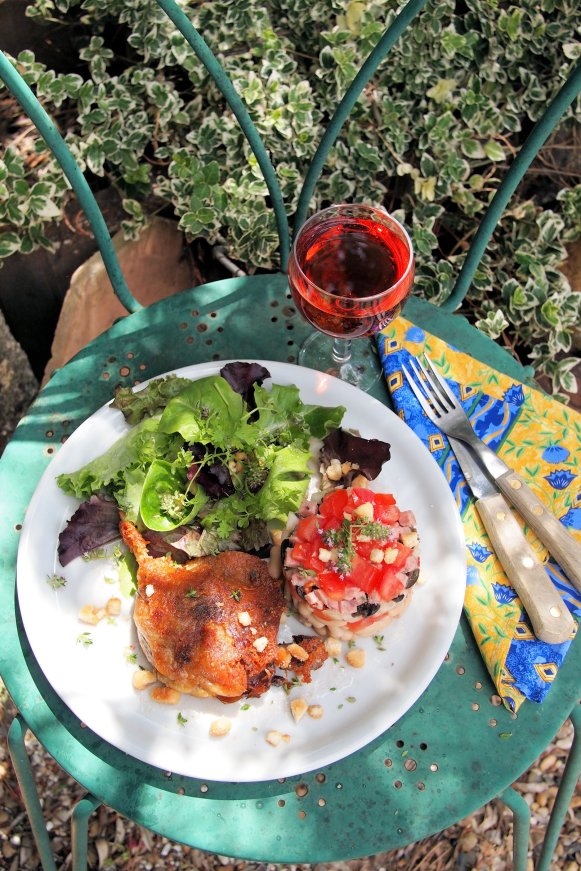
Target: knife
{"points": [[560, 544], [549, 616]]}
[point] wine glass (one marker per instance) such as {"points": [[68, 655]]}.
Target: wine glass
{"points": [[350, 271]]}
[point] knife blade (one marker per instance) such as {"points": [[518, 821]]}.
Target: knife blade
{"points": [[549, 616], [560, 544]]}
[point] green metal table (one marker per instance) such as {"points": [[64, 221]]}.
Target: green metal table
{"points": [[452, 752]]}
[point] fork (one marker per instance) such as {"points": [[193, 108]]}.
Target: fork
{"points": [[444, 410]]}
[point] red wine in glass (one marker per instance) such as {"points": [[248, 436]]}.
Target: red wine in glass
{"points": [[351, 269]]}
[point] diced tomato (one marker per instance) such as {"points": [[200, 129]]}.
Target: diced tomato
{"points": [[301, 551], [304, 553], [383, 499], [363, 574], [332, 585], [330, 523], [364, 548], [307, 528], [334, 504], [402, 554], [359, 495], [316, 564], [387, 514], [389, 586]]}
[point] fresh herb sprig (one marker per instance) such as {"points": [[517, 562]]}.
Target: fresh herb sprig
{"points": [[342, 539]]}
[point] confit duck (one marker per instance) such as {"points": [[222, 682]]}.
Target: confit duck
{"points": [[209, 627]]}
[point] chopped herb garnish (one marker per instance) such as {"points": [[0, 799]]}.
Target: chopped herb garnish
{"points": [[236, 595], [56, 581], [290, 684], [342, 540], [132, 658], [173, 504], [192, 594], [245, 707], [85, 639], [372, 529], [351, 699], [379, 642], [96, 553], [181, 719], [351, 643], [505, 735]]}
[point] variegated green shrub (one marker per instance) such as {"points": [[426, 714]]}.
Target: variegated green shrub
{"points": [[430, 137]]}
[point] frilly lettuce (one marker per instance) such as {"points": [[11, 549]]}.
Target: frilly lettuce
{"points": [[137, 448], [151, 471]]}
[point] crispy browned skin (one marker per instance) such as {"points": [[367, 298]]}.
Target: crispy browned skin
{"points": [[188, 625], [317, 651]]}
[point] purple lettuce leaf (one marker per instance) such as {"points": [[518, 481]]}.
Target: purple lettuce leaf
{"points": [[368, 454], [94, 523], [166, 544], [242, 377], [214, 477]]}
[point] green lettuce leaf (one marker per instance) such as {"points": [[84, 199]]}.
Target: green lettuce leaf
{"points": [[210, 412], [147, 469], [165, 502], [150, 400], [128, 495], [228, 515], [286, 485], [125, 453], [127, 574], [285, 418]]}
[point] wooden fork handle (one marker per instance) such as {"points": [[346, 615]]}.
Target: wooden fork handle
{"points": [[549, 616], [560, 544]]}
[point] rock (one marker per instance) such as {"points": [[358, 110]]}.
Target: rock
{"points": [[547, 762], [18, 386], [154, 266]]}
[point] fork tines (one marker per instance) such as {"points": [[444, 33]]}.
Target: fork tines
{"points": [[429, 388]]}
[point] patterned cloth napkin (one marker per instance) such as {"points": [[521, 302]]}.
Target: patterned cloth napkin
{"points": [[541, 440]]}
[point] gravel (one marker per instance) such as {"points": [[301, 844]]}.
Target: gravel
{"points": [[481, 841]]}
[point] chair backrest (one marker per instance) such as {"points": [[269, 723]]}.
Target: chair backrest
{"points": [[539, 134]]}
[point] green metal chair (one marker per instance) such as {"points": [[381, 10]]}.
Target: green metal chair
{"points": [[246, 819]]}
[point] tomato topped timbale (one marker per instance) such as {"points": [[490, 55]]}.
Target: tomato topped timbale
{"points": [[358, 543]]}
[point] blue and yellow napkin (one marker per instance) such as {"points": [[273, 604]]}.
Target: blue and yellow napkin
{"points": [[541, 440]]}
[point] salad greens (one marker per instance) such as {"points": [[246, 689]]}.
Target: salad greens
{"points": [[202, 454]]}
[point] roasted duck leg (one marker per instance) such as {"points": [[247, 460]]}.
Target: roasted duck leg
{"points": [[209, 627]]}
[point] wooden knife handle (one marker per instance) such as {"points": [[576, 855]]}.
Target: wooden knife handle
{"points": [[560, 544], [550, 619]]}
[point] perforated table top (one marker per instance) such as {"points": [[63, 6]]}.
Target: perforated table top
{"points": [[452, 752]]}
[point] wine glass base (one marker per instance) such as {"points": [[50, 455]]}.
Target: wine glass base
{"points": [[360, 369]]}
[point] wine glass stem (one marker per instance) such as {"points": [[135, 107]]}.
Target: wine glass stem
{"points": [[341, 352]]}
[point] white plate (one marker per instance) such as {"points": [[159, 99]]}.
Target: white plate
{"points": [[359, 704]]}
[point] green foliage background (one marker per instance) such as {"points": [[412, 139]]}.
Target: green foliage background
{"points": [[430, 137]]}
